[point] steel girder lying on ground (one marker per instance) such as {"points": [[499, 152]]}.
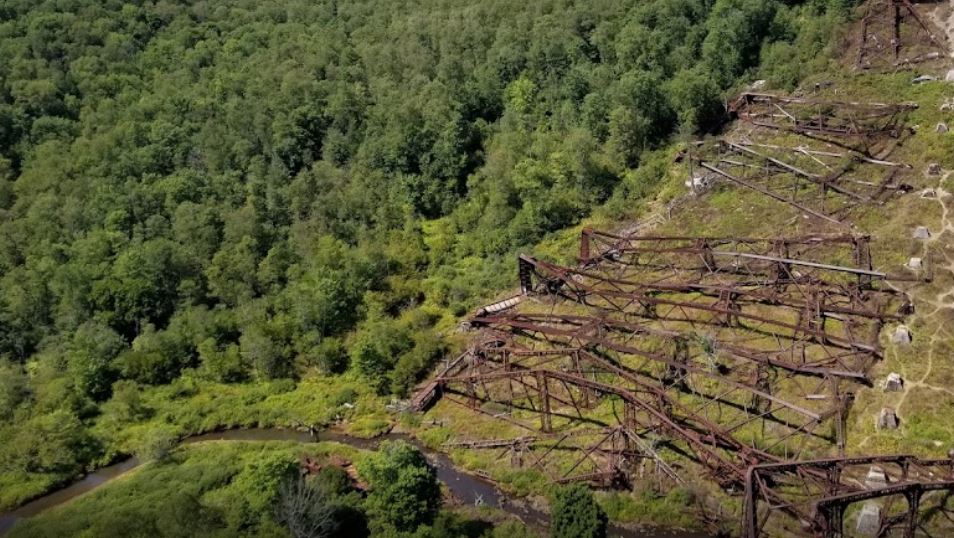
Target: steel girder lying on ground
{"points": [[834, 121], [795, 332], [803, 180], [571, 391], [816, 494], [821, 157], [610, 456], [751, 257], [893, 35], [732, 352], [752, 394], [784, 263]]}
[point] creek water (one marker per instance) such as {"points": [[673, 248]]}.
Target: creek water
{"points": [[467, 488]]}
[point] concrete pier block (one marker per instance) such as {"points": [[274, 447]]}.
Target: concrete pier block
{"points": [[887, 419], [869, 520], [893, 383], [921, 232], [901, 335], [876, 478]]}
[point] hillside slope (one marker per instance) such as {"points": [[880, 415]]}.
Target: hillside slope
{"points": [[911, 176]]}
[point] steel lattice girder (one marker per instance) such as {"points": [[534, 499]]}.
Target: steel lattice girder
{"points": [[563, 368], [817, 492], [607, 455], [809, 168], [750, 308], [888, 40], [781, 263], [740, 387], [825, 194], [840, 147], [814, 117], [848, 365], [550, 389], [747, 257]]}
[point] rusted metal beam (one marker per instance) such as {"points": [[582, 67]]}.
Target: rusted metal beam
{"points": [[771, 194], [817, 492]]}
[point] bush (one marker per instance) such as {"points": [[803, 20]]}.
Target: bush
{"points": [[404, 493], [575, 514], [156, 444]]}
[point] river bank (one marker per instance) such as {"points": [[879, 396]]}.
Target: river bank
{"points": [[466, 488]]}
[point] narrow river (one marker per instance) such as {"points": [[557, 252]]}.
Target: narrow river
{"points": [[468, 488]]}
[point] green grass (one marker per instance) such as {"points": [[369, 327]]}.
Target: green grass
{"points": [[191, 406], [171, 498]]}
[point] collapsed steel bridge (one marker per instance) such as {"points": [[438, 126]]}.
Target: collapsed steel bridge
{"points": [[893, 35], [814, 495], [727, 353], [823, 158], [833, 121]]}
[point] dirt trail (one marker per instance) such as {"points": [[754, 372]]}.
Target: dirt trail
{"points": [[942, 300]]}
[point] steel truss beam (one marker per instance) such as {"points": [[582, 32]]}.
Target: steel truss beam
{"points": [[748, 257], [823, 191], [818, 492], [814, 117], [731, 352], [608, 456], [781, 262], [894, 35], [749, 308], [741, 388], [562, 388], [837, 164]]}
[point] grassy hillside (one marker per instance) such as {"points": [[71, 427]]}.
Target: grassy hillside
{"points": [[233, 213]]}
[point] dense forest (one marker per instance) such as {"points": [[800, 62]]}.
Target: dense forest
{"points": [[239, 191]]}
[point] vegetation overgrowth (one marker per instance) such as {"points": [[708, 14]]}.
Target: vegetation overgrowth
{"points": [[254, 489], [241, 213]]}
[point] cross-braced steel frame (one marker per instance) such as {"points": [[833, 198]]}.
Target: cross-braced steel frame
{"points": [[564, 393], [823, 158], [828, 192], [893, 35], [841, 122], [731, 352], [816, 494]]}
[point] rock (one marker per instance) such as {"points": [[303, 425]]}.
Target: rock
{"points": [[876, 478], [923, 78], [887, 419], [928, 193], [915, 263], [893, 383], [869, 520], [934, 169], [949, 76], [941, 128], [901, 335], [921, 232], [758, 84], [699, 183]]}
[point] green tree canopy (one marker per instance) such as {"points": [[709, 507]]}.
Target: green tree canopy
{"points": [[404, 489], [575, 514]]}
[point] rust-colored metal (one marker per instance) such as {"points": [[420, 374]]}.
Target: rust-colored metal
{"points": [[823, 158], [827, 191], [730, 353], [816, 493], [893, 35], [815, 117]]}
